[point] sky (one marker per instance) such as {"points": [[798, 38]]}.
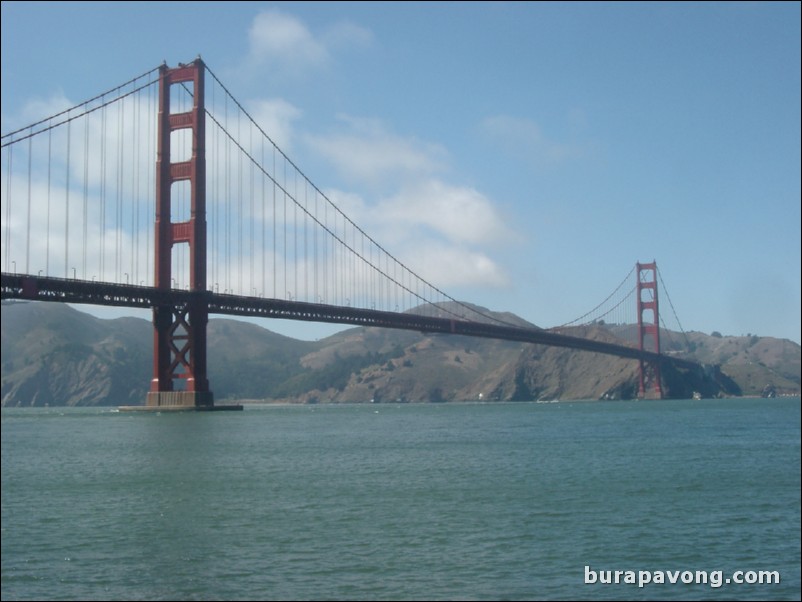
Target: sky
{"points": [[542, 148]]}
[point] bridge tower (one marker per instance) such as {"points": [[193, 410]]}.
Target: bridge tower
{"points": [[179, 354], [648, 329]]}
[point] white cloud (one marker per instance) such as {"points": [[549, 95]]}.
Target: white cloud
{"points": [[35, 110], [352, 205], [344, 35], [525, 139], [365, 151], [278, 37], [284, 42], [438, 228], [457, 213], [276, 117], [435, 229], [447, 265]]}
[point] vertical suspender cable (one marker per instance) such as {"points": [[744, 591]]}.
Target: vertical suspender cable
{"points": [[102, 274], [314, 262], [7, 231], [335, 275], [284, 188], [326, 253], [86, 198], [28, 235], [264, 226], [295, 236], [47, 238], [239, 211], [337, 259], [274, 223], [135, 199], [67, 212], [363, 281], [252, 258], [343, 262], [306, 242], [118, 212], [350, 278], [227, 216]]}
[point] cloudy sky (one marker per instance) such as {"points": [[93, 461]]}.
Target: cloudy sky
{"points": [[522, 156]]}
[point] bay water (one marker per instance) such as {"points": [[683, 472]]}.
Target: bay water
{"points": [[494, 501]]}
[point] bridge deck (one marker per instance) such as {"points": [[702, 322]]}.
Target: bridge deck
{"points": [[39, 288]]}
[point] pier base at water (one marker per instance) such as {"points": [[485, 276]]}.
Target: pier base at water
{"points": [[180, 401], [194, 399], [225, 408]]}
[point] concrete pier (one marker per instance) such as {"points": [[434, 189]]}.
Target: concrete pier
{"points": [[168, 408], [181, 401]]}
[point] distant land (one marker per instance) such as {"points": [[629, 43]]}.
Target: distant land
{"points": [[54, 355]]}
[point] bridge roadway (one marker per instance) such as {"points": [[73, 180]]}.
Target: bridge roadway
{"points": [[61, 290]]}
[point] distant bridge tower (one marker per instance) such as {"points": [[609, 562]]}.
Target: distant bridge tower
{"points": [[648, 329], [179, 358]]}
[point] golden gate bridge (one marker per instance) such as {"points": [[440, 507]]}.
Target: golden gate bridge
{"points": [[239, 230]]}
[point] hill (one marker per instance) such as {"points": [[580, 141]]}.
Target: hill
{"points": [[53, 354]]}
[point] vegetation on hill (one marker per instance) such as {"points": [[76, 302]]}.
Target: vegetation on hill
{"points": [[53, 354]]}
